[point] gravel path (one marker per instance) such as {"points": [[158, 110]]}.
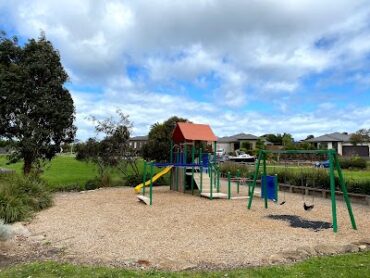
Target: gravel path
{"points": [[108, 226]]}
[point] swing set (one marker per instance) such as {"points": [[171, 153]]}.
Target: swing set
{"points": [[334, 166]]}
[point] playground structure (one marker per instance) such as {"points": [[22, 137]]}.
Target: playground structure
{"points": [[192, 165], [193, 168]]}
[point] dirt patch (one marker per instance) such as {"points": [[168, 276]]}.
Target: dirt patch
{"points": [[181, 231]]}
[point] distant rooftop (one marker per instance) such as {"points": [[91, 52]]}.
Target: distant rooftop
{"points": [[238, 137], [139, 138], [331, 137]]}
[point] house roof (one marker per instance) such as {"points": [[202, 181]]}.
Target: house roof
{"points": [[331, 137], [237, 137], [193, 132], [139, 138]]}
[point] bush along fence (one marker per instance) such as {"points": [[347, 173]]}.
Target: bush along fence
{"points": [[309, 177]]}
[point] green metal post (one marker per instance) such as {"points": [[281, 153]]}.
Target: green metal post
{"points": [[255, 179], [176, 171], [192, 168], [214, 151], [264, 183], [201, 179], [228, 186], [185, 160], [237, 182], [332, 192], [171, 152], [209, 164], [201, 171], [151, 184], [144, 178], [218, 180], [215, 176], [276, 187], [345, 193], [211, 178]]}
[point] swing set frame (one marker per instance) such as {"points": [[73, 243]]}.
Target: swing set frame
{"points": [[333, 166]]}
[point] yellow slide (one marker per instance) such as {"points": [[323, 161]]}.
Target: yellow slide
{"points": [[157, 176]]}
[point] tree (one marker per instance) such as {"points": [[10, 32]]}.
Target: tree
{"points": [[309, 137], [356, 138], [159, 140], [365, 134], [287, 140], [113, 150], [36, 110], [260, 144], [246, 145], [360, 136], [275, 139]]}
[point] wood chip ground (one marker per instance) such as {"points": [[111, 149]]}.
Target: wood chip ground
{"points": [[109, 226]]}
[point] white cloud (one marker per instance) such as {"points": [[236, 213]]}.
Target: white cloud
{"points": [[251, 51]]}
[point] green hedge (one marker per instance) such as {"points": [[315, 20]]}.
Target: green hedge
{"points": [[311, 177], [353, 162], [318, 178], [233, 169]]}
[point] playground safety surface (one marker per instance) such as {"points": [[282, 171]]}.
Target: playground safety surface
{"points": [[181, 231]]}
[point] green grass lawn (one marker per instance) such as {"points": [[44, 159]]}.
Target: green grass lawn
{"points": [[357, 174], [349, 265], [64, 172]]}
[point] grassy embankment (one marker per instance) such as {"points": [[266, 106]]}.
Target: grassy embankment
{"points": [[349, 265], [65, 173]]}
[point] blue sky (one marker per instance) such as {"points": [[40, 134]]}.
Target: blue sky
{"points": [[242, 66]]}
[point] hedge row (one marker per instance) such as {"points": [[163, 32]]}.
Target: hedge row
{"points": [[310, 177]]}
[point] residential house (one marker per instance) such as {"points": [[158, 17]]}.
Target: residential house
{"points": [[138, 142], [234, 142], [341, 143]]}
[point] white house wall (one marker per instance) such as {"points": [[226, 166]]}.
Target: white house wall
{"points": [[228, 147]]}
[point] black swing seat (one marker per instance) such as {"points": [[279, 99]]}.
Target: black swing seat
{"points": [[308, 207]]}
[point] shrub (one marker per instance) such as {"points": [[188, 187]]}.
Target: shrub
{"points": [[355, 162], [233, 169], [133, 180], [359, 186], [20, 197], [92, 184], [106, 180]]}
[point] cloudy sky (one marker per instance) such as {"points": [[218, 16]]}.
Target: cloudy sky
{"points": [[242, 66]]}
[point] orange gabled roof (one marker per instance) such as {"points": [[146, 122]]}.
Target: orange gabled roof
{"points": [[193, 132]]}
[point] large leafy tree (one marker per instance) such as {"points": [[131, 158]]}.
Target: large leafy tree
{"points": [[36, 110], [159, 140]]}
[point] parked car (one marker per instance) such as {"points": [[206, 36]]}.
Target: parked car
{"points": [[322, 164]]}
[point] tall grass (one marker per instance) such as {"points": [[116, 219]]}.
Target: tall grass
{"points": [[21, 197]]}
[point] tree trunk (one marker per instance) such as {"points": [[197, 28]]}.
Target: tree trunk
{"points": [[27, 166]]}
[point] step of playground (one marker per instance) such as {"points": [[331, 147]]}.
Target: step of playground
{"points": [[144, 199], [214, 195]]}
